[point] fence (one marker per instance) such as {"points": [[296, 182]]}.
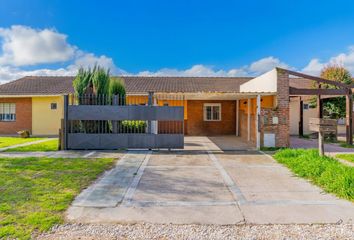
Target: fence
{"points": [[140, 121]]}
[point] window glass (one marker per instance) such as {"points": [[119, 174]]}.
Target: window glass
{"points": [[7, 112], [212, 112]]}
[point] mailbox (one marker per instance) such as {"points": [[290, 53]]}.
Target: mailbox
{"points": [[323, 125]]}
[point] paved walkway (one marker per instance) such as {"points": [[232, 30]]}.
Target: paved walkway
{"points": [[296, 142], [205, 185]]}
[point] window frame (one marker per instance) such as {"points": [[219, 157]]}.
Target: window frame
{"points": [[13, 119], [53, 104], [205, 112]]}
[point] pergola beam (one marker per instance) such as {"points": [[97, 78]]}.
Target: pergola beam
{"points": [[317, 79], [304, 92]]}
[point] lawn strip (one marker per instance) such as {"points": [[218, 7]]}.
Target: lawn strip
{"points": [[35, 192], [51, 145], [325, 172]]}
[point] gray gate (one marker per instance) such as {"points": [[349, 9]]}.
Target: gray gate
{"points": [[100, 122]]}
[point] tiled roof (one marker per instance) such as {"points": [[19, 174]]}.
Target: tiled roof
{"points": [[63, 85]]}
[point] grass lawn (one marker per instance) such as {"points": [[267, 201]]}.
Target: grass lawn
{"points": [[34, 192], [51, 145], [9, 141], [348, 157], [325, 172], [345, 145]]}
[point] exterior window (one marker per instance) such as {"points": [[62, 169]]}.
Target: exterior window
{"points": [[7, 112], [53, 106], [212, 112], [306, 106]]}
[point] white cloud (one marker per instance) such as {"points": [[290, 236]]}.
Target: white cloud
{"points": [[194, 71], [10, 73], [258, 67], [314, 67], [23, 45], [266, 64], [346, 60]]}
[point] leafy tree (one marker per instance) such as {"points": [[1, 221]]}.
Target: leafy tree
{"points": [[335, 107]]}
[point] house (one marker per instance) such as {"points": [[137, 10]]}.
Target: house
{"points": [[261, 110]]}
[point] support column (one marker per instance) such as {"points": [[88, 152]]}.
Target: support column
{"points": [[237, 117], [258, 115], [301, 123], [248, 119], [349, 118]]}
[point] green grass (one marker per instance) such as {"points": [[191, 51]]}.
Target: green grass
{"points": [[348, 157], [331, 175], [51, 145], [345, 145], [34, 192], [271, 149], [9, 141]]}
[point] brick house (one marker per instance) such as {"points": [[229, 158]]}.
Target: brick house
{"points": [[258, 110]]}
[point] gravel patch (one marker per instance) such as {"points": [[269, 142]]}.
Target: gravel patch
{"points": [[170, 231]]}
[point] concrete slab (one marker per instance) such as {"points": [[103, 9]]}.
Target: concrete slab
{"points": [[205, 185], [223, 215], [110, 189], [182, 184], [297, 213]]}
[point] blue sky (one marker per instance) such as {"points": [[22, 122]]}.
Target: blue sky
{"points": [[221, 38]]}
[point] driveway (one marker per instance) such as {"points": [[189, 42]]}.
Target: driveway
{"points": [[205, 185]]}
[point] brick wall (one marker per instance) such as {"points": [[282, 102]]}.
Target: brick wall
{"points": [[282, 129], [197, 126], [23, 116]]}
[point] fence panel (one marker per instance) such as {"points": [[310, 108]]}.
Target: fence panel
{"points": [[102, 122]]}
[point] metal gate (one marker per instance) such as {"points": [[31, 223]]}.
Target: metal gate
{"points": [[108, 123]]}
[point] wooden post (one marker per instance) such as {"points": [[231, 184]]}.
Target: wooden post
{"points": [[319, 107], [319, 104], [349, 118], [301, 123], [320, 143]]}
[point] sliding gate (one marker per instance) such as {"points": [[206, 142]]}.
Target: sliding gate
{"points": [[107, 123]]}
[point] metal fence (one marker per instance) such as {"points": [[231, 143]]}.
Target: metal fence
{"points": [[113, 122]]}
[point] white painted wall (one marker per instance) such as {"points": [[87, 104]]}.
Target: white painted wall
{"points": [[264, 83]]}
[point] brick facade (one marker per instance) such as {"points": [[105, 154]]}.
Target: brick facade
{"points": [[23, 116], [282, 129], [197, 126]]}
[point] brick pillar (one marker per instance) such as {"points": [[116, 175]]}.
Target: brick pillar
{"points": [[283, 108]]}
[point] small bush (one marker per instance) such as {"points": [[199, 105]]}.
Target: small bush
{"points": [[133, 126]]}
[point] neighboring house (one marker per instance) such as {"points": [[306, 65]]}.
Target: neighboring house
{"points": [[213, 105]]}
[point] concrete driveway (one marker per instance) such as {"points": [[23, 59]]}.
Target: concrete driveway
{"points": [[205, 185]]}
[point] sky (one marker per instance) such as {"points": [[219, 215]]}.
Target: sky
{"points": [[174, 38]]}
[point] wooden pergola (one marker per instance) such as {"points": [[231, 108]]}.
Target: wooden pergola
{"points": [[341, 90]]}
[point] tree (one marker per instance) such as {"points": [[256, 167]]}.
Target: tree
{"points": [[335, 107]]}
